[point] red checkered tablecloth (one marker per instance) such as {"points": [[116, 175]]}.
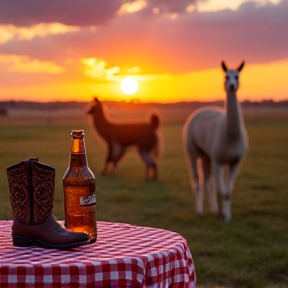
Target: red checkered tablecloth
{"points": [[123, 256]]}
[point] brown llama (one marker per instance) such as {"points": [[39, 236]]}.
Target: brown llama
{"points": [[119, 136]]}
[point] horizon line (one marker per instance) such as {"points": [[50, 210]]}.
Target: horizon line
{"points": [[136, 101]]}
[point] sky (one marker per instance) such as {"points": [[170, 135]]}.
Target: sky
{"points": [[63, 50]]}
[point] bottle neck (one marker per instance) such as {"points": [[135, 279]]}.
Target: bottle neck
{"points": [[78, 156]]}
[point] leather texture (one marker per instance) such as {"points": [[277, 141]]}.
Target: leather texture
{"points": [[31, 188], [18, 190], [50, 232]]}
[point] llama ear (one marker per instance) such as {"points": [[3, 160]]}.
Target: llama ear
{"points": [[97, 102], [241, 66], [224, 67]]}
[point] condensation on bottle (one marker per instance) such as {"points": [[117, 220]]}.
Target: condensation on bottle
{"points": [[79, 187]]}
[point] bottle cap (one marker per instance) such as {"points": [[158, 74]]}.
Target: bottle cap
{"points": [[77, 133]]}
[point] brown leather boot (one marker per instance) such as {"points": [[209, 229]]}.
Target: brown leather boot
{"points": [[31, 187]]}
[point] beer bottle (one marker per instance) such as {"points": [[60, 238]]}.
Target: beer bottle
{"points": [[80, 190]]}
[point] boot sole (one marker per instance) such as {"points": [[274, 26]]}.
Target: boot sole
{"points": [[24, 241]]}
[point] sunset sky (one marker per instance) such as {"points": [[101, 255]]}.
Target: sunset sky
{"points": [[73, 50]]}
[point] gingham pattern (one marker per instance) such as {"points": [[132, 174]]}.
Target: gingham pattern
{"points": [[123, 256]]}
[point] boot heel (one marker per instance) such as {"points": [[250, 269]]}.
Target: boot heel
{"points": [[22, 241]]}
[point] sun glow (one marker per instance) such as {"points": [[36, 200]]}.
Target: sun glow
{"points": [[129, 85]]}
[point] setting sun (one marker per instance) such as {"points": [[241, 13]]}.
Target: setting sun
{"points": [[129, 85]]}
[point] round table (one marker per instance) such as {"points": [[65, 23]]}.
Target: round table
{"points": [[123, 256]]}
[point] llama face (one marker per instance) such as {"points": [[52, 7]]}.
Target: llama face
{"points": [[231, 80], [95, 107], [232, 77]]}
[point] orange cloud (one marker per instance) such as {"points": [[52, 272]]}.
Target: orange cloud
{"points": [[97, 68], [14, 63], [133, 70], [132, 7], [213, 6], [11, 32]]}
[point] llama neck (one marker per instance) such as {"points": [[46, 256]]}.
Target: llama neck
{"points": [[101, 124], [233, 116]]}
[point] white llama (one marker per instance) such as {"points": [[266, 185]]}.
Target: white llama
{"points": [[218, 138]]}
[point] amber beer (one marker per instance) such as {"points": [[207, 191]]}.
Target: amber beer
{"points": [[80, 190]]}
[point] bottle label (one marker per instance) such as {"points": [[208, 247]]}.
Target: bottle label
{"points": [[88, 200]]}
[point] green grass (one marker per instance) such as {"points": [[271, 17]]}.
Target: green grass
{"points": [[250, 251]]}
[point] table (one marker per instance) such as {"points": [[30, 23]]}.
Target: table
{"points": [[123, 256]]}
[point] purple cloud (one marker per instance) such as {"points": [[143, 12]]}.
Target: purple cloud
{"points": [[195, 41], [68, 12], [74, 12]]}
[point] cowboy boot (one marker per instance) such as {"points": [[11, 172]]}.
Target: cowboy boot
{"points": [[31, 186]]}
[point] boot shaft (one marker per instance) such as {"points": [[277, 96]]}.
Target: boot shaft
{"points": [[31, 188]]}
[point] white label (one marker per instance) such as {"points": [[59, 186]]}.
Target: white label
{"points": [[88, 200]]}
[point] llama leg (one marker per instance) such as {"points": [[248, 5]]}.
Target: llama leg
{"points": [[195, 182], [208, 184], [233, 170], [150, 163], [105, 168], [155, 171], [218, 171], [107, 161], [155, 152], [192, 154], [119, 157], [213, 193], [198, 189], [117, 152]]}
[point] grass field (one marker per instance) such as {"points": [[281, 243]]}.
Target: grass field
{"points": [[250, 251]]}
